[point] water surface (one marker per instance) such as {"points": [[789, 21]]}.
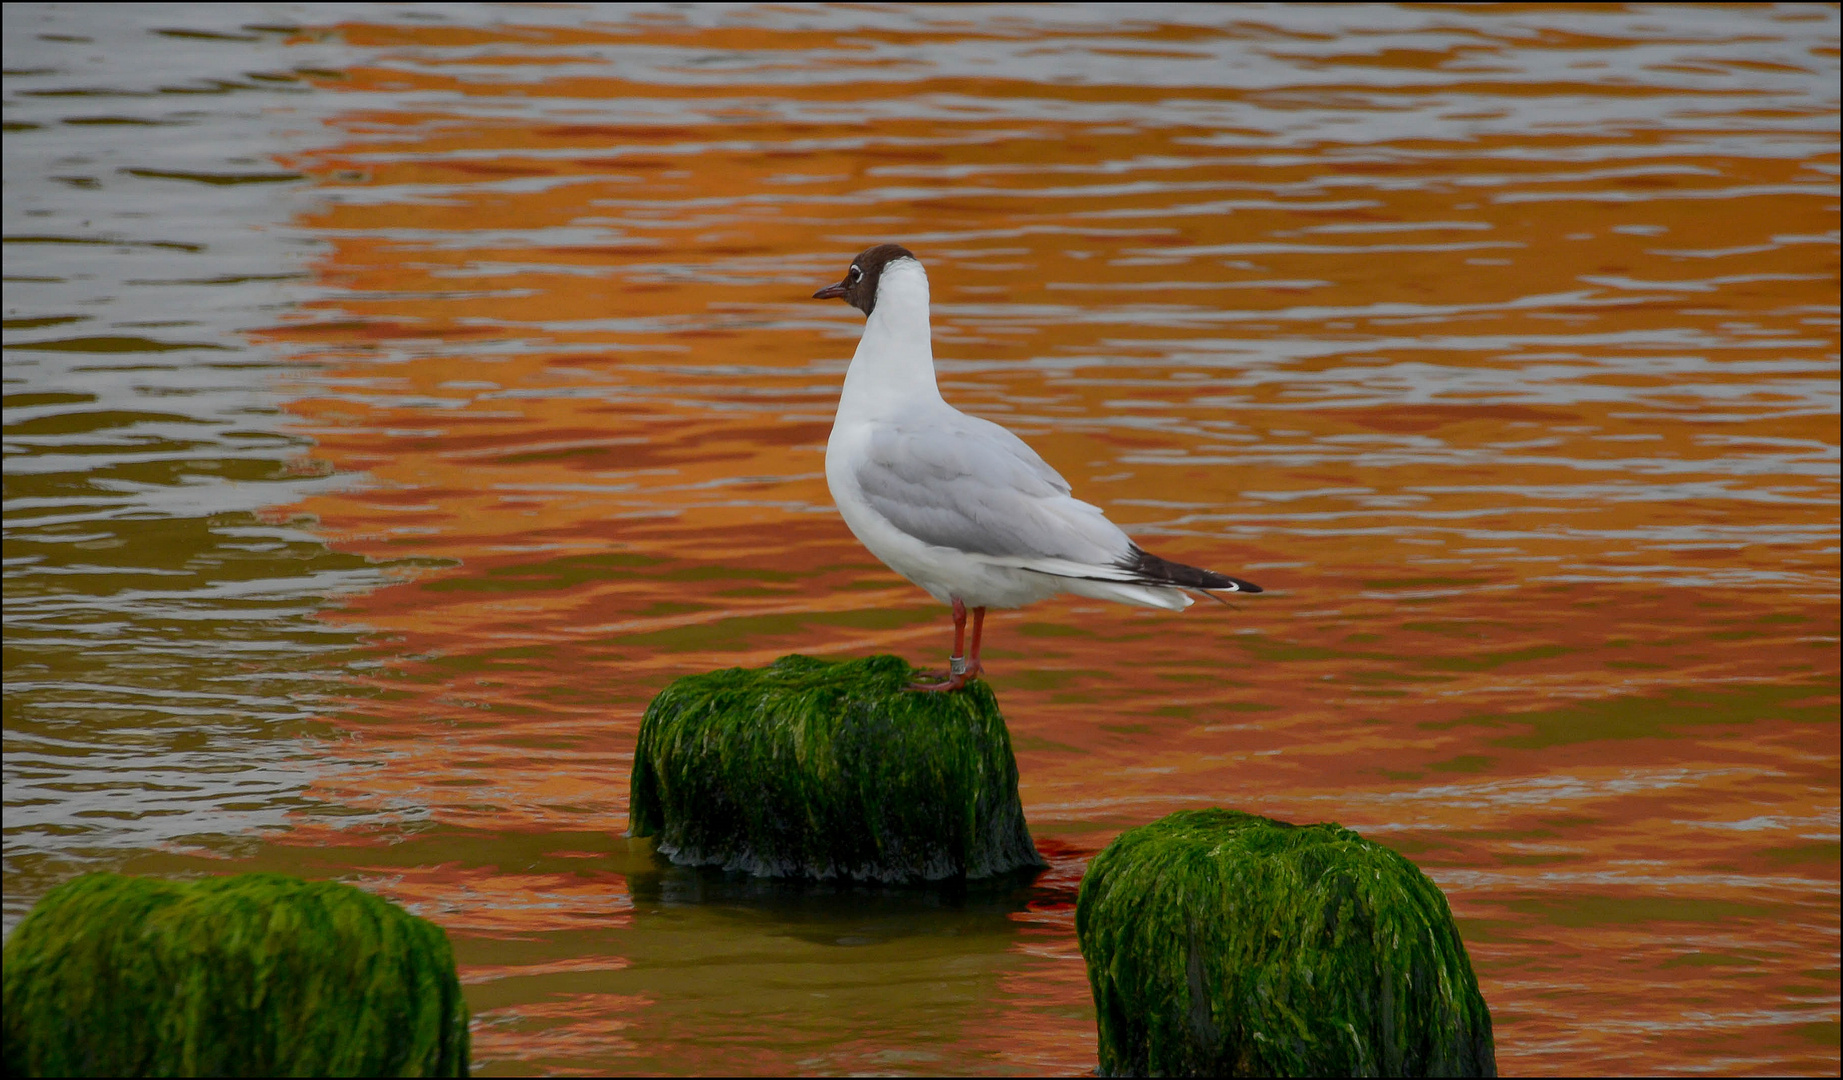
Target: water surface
{"points": [[1498, 344]]}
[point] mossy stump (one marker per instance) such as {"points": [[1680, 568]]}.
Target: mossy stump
{"points": [[1224, 944], [832, 772], [255, 975]]}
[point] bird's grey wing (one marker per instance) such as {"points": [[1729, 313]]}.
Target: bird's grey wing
{"points": [[959, 482], [973, 430]]}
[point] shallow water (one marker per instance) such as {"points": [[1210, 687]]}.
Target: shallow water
{"points": [[394, 404]]}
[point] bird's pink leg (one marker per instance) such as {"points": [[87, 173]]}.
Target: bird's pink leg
{"points": [[963, 669], [973, 666]]}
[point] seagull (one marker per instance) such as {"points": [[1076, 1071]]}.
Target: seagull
{"points": [[958, 505]]}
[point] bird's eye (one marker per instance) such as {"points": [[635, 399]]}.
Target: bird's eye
{"points": [[855, 273]]}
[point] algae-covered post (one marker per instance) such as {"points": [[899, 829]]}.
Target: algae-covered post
{"points": [[1224, 944], [256, 975], [830, 771]]}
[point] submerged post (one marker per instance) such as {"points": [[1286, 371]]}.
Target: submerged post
{"points": [[254, 975], [1225, 944], [830, 771]]}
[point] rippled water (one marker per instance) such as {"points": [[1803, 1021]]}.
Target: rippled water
{"points": [[161, 638], [395, 402]]}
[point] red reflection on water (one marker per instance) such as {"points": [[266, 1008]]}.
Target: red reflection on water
{"points": [[1541, 501]]}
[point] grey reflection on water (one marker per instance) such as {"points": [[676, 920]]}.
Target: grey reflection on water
{"points": [[161, 640]]}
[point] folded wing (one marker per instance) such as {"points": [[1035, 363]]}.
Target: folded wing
{"points": [[971, 486]]}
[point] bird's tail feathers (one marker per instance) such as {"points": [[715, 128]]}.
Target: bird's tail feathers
{"points": [[1148, 569], [1138, 577], [1139, 595]]}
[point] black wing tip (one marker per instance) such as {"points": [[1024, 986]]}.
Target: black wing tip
{"points": [[1153, 570]]}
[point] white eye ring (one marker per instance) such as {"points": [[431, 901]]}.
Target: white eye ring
{"points": [[855, 272]]}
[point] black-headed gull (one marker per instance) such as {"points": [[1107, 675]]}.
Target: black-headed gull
{"points": [[959, 505]]}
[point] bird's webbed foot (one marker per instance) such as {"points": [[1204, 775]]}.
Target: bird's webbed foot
{"points": [[963, 672]]}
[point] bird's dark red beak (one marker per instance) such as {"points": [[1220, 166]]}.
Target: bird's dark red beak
{"points": [[830, 292]]}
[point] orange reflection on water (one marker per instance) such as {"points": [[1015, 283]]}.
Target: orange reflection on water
{"points": [[1518, 393]]}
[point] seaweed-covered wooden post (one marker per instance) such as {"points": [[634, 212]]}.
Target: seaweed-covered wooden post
{"points": [[830, 771], [1224, 944], [255, 975]]}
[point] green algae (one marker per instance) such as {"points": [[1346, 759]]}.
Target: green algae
{"points": [[1225, 944], [830, 771], [254, 975]]}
